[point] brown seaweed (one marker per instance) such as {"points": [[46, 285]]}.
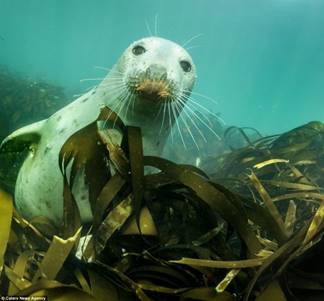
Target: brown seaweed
{"points": [[258, 238]]}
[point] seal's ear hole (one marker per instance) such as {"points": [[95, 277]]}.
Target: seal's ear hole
{"points": [[138, 50], [186, 66]]}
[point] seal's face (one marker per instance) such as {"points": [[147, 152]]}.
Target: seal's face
{"points": [[158, 70], [148, 87]]}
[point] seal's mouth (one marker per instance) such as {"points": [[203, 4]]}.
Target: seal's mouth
{"points": [[154, 89]]}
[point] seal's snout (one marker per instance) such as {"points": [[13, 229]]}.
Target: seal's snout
{"points": [[154, 89], [153, 83], [156, 71]]}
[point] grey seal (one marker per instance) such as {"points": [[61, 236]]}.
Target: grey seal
{"points": [[147, 87]]}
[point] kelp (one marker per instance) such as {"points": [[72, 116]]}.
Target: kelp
{"points": [[287, 165], [299, 151], [164, 231]]}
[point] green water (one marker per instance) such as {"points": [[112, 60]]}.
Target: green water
{"points": [[262, 60]]}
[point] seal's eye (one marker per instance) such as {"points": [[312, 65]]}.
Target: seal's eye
{"points": [[186, 66], [138, 50]]}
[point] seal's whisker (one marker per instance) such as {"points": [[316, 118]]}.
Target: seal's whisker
{"points": [[114, 86], [122, 96], [178, 127], [199, 118], [194, 123], [90, 79], [101, 68], [133, 106], [112, 109], [164, 105], [148, 28], [121, 93], [192, 47], [107, 69], [117, 88], [198, 106], [179, 109], [114, 83], [110, 87], [115, 73], [122, 108], [192, 120], [170, 120], [119, 73], [191, 39], [114, 79], [122, 105], [115, 93], [194, 102], [160, 104], [116, 76], [156, 25], [204, 96], [129, 98], [137, 74]]}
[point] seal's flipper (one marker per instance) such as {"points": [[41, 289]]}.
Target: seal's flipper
{"points": [[22, 138]]}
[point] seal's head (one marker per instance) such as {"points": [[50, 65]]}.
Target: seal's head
{"points": [[153, 75], [158, 69], [155, 69]]}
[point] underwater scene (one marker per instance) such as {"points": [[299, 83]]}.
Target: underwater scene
{"points": [[161, 150]]}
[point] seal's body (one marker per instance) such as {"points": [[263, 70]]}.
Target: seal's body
{"points": [[152, 76]]}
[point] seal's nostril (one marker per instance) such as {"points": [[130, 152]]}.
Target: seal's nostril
{"points": [[156, 71]]}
